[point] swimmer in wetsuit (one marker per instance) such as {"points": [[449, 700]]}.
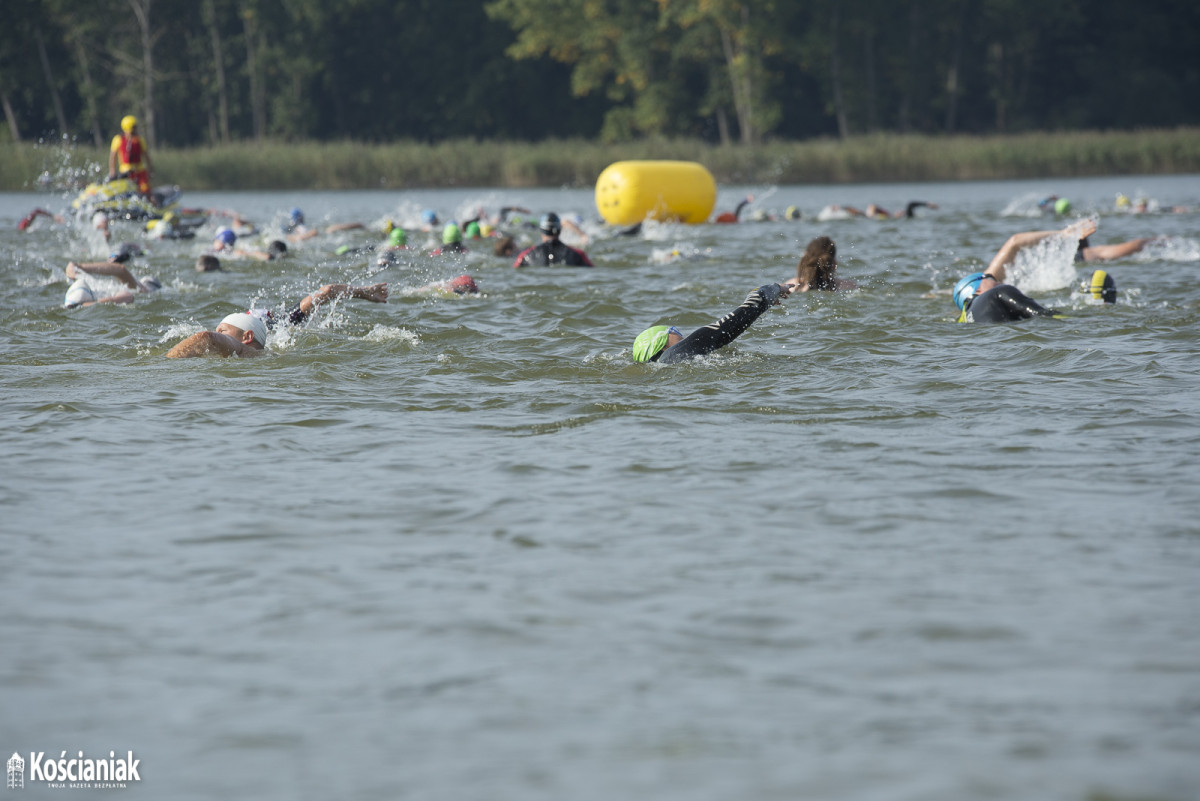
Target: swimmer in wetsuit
{"points": [[981, 298], [552, 251], [985, 298], [667, 344], [451, 241], [735, 215]]}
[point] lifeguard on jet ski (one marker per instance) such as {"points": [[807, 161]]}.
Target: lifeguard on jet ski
{"points": [[120, 200], [127, 195]]}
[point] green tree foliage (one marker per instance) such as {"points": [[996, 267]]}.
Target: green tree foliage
{"points": [[211, 71]]}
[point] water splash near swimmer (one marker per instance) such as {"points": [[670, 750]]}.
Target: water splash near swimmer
{"points": [[388, 333], [1024, 206], [180, 331], [1169, 248], [60, 174], [1046, 266]]}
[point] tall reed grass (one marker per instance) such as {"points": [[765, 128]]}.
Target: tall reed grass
{"points": [[876, 158]]}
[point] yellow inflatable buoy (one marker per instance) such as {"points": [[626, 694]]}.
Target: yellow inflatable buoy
{"points": [[628, 192]]}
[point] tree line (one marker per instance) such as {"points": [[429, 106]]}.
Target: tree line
{"points": [[210, 72]]}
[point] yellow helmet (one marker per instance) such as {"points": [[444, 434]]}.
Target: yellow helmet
{"points": [[128, 123]]}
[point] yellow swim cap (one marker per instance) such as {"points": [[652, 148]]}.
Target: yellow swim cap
{"points": [[128, 123]]}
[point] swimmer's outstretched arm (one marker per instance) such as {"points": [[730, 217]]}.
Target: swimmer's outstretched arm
{"points": [[1117, 251], [350, 226], [257, 255], [124, 296], [376, 293], [910, 209], [1018, 242], [109, 268], [208, 343], [716, 335]]}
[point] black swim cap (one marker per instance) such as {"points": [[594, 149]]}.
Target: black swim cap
{"points": [[550, 224]]}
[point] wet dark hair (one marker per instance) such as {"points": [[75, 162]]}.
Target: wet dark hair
{"points": [[818, 264], [208, 264], [505, 247], [276, 248]]}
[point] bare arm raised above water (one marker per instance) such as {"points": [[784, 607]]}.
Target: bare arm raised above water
{"points": [[1018, 242]]}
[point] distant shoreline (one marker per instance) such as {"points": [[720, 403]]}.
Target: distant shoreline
{"points": [[410, 165]]}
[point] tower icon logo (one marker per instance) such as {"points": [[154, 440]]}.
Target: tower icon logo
{"points": [[16, 772]]}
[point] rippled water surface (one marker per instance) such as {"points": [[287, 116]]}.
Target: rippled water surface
{"points": [[464, 547]]}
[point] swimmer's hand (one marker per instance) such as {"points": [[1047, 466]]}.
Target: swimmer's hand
{"points": [[376, 293], [1081, 229]]}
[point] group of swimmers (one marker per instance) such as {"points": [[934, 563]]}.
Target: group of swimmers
{"points": [[245, 333], [833, 212], [980, 297]]}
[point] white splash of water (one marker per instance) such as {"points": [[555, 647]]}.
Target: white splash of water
{"points": [[1046, 266], [388, 333]]}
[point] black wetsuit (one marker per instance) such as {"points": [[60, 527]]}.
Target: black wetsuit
{"points": [[1005, 303], [719, 334], [552, 252]]}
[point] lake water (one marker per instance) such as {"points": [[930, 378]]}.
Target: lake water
{"points": [[464, 547]]}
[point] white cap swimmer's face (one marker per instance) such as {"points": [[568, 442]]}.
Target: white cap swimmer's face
{"points": [[236, 326], [78, 294]]}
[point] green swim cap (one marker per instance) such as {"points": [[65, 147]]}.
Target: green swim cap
{"points": [[650, 343], [451, 234], [397, 237], [472, 230], [1062, 206]]}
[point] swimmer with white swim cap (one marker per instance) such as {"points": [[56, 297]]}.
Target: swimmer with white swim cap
{"points": [[238, 334], [79, 294], [83, 293], [245, 333]]}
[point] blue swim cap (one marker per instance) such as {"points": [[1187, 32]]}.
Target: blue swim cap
{"points": [[297, 216], [429, 216], [966, 288], [226, 236]]}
